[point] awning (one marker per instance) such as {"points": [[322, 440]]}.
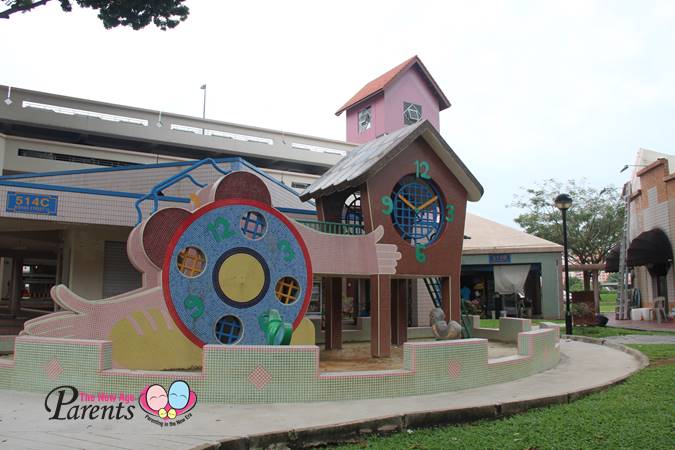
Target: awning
{"points": [[651, 248], [612, 259]]}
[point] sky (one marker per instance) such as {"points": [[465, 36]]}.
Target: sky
{"points": [[539, 90]]}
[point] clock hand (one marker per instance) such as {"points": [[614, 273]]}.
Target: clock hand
{"points": [[427, 203], [405, 200]]}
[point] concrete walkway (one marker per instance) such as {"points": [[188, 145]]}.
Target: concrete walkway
{"points": [[642, 339], [584, 368], [644, 325]]}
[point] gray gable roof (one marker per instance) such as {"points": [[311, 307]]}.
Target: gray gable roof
{"points": [[367, 159]]}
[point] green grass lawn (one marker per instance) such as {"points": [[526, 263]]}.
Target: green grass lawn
{"points": [[596, 332], [607, 302], [637, 414]]}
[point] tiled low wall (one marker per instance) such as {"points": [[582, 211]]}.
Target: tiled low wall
{"points": [[262, 374], [508, 331], [7, 344]]}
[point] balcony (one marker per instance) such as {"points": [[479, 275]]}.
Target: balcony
{"points": [[333, 227]]}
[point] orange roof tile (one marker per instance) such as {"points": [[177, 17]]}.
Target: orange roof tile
{"points": [[381, 82]]}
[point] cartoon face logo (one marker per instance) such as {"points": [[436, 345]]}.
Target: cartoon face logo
{"points": [[179, 394], [180, 399]]}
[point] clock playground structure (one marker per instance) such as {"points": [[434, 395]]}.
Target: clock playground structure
{"points": [[413, 186]]}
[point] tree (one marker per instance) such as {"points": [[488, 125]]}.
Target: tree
{"points": [[594, 222], [134, 13]]}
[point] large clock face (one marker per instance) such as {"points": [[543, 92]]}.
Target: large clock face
{"points": [[231, 269], [418, 208]]}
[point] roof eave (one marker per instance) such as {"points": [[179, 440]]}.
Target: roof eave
{"points": [[485, 250], [473, 187], [356, 103], [433, 138], [443, 102]]}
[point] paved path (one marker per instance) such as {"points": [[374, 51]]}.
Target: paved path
{"points": [[24, 423], [642, 339], [645, 325]]}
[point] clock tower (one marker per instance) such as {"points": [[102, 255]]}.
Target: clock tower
{"points": [[404, 181]]}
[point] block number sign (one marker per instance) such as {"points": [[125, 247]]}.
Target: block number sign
{"points": [[29, 203]]}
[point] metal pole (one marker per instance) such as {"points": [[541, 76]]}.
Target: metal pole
{"points": [[568, 315], [204, 105]]}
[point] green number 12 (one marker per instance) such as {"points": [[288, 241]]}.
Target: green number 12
{"points": [[220, 229], [422, 170]]}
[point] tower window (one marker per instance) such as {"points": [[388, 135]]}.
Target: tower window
{"points": [[365, 119], [411, 113]]}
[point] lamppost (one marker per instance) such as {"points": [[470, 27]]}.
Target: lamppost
{"points": [[203, 88], [563, 203]]}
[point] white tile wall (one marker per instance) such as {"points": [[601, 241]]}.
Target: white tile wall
{"points": [[83, 208]]}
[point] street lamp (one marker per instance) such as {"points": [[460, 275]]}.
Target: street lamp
{"points": [[203, 88], [563, 203], [8, 100]]}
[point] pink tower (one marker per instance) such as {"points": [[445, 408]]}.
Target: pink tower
{"points": [[404, 95]]}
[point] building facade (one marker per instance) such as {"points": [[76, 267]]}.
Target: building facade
{"points": [[651, 194]]}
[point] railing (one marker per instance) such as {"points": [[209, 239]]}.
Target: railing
{"points": [[333, 227], [156, 191]]}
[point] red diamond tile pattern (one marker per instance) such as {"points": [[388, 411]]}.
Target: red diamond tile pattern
{"points": [[260, 377], [53, 369], [454, 368]]}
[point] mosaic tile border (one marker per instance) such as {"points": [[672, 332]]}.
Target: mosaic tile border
{"points": [[267, 374]]}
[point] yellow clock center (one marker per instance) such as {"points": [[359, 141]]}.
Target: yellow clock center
{"points": [[241, 277]]}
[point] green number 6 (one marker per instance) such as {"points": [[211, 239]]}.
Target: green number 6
{"points": [[419, 253]]}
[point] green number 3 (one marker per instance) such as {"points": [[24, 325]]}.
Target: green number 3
{"points": [[226, 229], [388, 204], [419, 253], [285, 247], [450, 213]]}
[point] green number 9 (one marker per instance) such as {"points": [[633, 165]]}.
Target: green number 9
{"points": [[389, 205], [195, 303]]}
